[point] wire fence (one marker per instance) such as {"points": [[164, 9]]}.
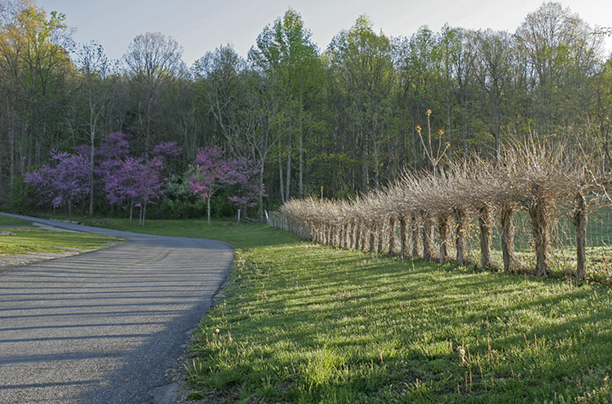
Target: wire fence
{"points": [[563, 234], [563, 242]]}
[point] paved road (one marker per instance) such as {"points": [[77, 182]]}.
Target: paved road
{"points": [[103, 327]]}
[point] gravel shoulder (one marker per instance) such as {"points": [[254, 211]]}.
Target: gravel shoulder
{"points": [[24, 259]]}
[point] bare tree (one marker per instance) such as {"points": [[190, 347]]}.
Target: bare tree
{"points": [[153, 60], [97, 84]]}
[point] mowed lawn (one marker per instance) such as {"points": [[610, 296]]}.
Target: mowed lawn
{"points": [[302, 323], [18, 236]]}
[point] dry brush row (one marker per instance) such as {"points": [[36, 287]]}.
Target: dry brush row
{"points": [[408, 217]]}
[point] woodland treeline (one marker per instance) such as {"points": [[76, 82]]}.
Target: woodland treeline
{"points": [[335, 122]]}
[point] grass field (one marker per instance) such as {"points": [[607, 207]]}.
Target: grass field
{"points": [[302, 323], [9, 221], [21, 238]]}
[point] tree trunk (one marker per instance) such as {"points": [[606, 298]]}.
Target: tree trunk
{"points": [[288, 171], [301, 168], [538, 213], [485, 225], [443, 231], [507, 237], [581, 220], [375, 153], [280, 176], [460, 231], [208, 209], [261, 191], [372, 239], [93, 121], [428, 239], [365, 169], [391, 235], [415, 237], [12, 160], [403, 236]]}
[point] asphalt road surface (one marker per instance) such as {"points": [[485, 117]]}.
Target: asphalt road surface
{"points": [[105, 326]]}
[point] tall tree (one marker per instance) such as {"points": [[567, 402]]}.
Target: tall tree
{"points": [[153, 61], [219, 85], [97, 83], [35, 68], [286, 51], [420, 77], [362, 62], [259, 125], [246, 106], [492, 70], [560, 53]]}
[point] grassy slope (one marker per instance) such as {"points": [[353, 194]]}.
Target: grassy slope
{"points": [[311, 324], [26, 240], [237, 234]]}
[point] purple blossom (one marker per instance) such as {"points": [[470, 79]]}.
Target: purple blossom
{"points": [[211, 171], [114, 146], [243, 175], [167, 149], [64, 182], [137, 180]]}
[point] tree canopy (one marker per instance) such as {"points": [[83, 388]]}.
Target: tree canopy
{"points": [[335, 122]]}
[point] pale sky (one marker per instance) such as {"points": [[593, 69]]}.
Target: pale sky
{"points": [[203, 25]]}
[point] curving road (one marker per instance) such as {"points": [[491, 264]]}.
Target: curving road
{"points": [[103, 327]]}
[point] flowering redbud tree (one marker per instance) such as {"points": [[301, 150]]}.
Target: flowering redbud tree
{"points": [[208, 173], [64, 182], [143, 182], [137, 180], [242, 176]]}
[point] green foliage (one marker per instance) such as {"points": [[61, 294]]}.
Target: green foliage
{"points": [[170, 208], [179, 202], [21, 193]]}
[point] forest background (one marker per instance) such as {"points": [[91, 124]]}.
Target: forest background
{"points": [[333, 123]]}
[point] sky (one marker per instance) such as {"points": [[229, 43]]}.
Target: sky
{"points": [[203, 25]]}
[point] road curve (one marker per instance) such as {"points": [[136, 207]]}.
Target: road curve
{"points": [[103, 327]]}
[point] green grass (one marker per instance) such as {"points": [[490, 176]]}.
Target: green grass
{"points": [[302, 323], [25, 239], [308, 324], [238, 234], [9, 221]]}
